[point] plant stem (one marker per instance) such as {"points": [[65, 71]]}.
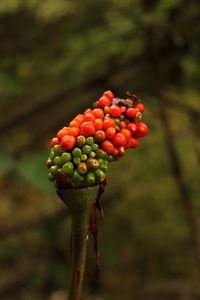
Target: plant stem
{"points": [[79, 249], [80, 203]]}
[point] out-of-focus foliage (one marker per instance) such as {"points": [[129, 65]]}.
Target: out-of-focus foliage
{"points": [[56, 57]]}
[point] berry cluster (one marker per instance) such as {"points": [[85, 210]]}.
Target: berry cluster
{"points": [[81, 152]]}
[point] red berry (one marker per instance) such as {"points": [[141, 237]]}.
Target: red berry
{"points": [[142, 129], [115, 111], [74, 131], [128, 144], [119, 140], [74, 123], [140, 106], [54, 142], [132, 127], [104, 101], [126, 133], [110, 132], [122, 124], [109, 94], [108, 123], [87, 111], [123, 109], [87, 128], [107, 146], [62, 132], [98, 113], [68, 142], [79, 118], [98, 124], [131, 112], [134, 142], [115, 152], [89, 117]]}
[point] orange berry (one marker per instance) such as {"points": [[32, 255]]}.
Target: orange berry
{"points": [[98, 124], [98, 113], [74, 131], [68, 142], [107, 146], [126, 133]]}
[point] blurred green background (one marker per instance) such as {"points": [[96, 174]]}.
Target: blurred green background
{"points": [[56, 58]]}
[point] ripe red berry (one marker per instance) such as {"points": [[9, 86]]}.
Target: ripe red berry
{"points": [[115, 152], [74, 123], [98, 124], [79, 118], [54, 142], [68, 142], [89, 117], [87, 128], [108, 123], [126, 133], [131, 112], [74, 131], [62, 132], [134, 142], [115, 111], [104, 101], [109, 94], [140, 106], [107, 146], [98, 113], [128, 144], [119, 140], [110, 132], [132, 127], [142, 129], [87, 111]]}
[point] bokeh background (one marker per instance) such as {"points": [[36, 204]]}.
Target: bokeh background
{"points": [[56, 58]]}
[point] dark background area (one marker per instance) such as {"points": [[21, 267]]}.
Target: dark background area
{"points": [[56, 58]]}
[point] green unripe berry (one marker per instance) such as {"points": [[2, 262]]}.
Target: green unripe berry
{"points": [[100, 176], [84, 157], [76, 160], [76, 177], [92, 164], [57, 150], [51, 177], [117, 121], [58, 161], [92, 154], [81, 140], [77, 152], [90, 140], [94, 147], [110, 158], [104, 167], [53, 170], [66, 156], [68, 168], [82, 168], [90, 178], [52, 154], [86, 149], [101, 154]]}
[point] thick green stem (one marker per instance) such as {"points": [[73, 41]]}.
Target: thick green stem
{"points": [[80, 203]]}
